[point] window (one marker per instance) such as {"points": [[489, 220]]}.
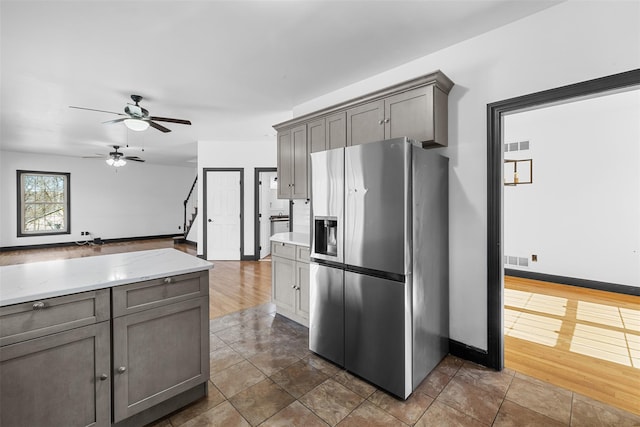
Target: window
{"points": [[43, 203]]}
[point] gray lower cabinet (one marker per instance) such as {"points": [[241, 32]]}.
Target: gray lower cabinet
{"points": [[290, 280], [159, 353], [68, 362], [62, 379]]}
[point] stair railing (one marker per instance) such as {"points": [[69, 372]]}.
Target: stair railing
{"points": [[190, 206]]}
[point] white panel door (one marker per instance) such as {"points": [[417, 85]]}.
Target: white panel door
{"points": [[223, 215]]}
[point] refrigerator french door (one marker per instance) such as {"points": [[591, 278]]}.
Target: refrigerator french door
{"points": [[377, 262], [326, 311]]}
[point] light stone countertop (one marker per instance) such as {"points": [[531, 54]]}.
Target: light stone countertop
{"points": [[300, 239], [46, 279]]}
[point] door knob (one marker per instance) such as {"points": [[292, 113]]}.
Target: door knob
{"points": [[103, 377], [122, 369]]}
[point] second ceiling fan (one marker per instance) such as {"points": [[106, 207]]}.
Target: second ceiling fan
{"points": [[138, 118]]}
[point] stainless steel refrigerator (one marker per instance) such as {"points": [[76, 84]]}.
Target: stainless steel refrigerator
{"points": [[379, 261]]}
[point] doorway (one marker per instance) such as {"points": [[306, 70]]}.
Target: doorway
{"points": [[495, 182], [272, 215], [223, 228]]}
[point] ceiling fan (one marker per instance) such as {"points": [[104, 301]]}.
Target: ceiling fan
{"points": [[138, 118], [117, 158]]}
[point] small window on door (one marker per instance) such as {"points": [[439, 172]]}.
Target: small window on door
{"points": [[43, 203]]}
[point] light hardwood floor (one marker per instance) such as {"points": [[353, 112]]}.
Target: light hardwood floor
{"points": [[233, 285], [584, 340]]}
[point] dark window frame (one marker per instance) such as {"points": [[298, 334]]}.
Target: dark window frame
{"points": [[20, 203]]}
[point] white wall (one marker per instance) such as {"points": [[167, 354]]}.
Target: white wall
{"points": [[236, 154], [581, 215], [137, 200], [568, 43]]}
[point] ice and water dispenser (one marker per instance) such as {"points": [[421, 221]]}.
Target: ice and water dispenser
{"points": [[326, 235]]}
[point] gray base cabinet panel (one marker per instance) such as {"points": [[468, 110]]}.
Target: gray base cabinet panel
{"points": [[283, 282], [159, 353], [290, 281], [57, 380]]}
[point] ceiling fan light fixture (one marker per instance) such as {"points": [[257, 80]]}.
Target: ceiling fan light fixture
{"points": [[137, 125], [116, 162]]}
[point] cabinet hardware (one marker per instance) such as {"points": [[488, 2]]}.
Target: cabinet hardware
{"points": [[380, 122], [168, 280], [103, 377], [386, 120], [122, 369], [38, 305], [293, 286]]}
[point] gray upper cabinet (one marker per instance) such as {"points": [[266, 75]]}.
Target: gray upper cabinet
{"points": [[316, 135], [336, 132], [365, 123], [293, 156], [419, 114], [285, 164], [416, 109]]}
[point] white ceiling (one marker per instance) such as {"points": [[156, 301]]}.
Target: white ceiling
{"points": [[233, 68]]}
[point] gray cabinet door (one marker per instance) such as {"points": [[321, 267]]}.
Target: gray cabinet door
{"points": [[336, 130], [159, 353], [410, 114], [283, 283], [285, 164], [316, 136], [302, 281], [57, 380], [365, 123], [299, 187]]}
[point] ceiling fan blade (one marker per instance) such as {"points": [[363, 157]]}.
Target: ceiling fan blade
{"points": [[115, 121], [93, 157], [134, 159], [100, 111], [159, 127], [167, 119]]}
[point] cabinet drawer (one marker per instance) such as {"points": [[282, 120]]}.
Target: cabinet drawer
{"points": [[284, 250], [35, 319], [302, 254], [158, 292]]}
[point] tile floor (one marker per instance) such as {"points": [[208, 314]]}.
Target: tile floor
{"points": [[262, 374]]}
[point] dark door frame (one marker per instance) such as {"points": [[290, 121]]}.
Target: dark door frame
{"points": [[494, 357], [256, 202], [204, 207]]}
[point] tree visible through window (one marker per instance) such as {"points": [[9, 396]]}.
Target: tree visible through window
{"points": [[43, 203]]}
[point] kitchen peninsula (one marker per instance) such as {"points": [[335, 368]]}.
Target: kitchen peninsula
{"points": [[74, 333]]}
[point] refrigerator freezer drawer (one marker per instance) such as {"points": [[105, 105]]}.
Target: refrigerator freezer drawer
{"points": [[326, 312], [375, 331]]}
